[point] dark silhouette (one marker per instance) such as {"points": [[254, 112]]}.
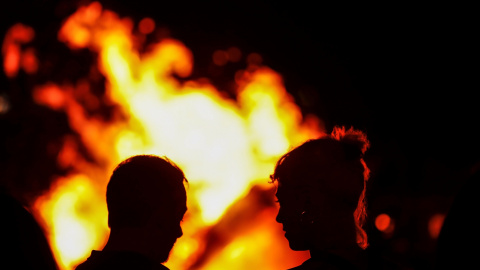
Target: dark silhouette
{"points": [[457, 246], [146, 201], [321, 192], [24, 245]]}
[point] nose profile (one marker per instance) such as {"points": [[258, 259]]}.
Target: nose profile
{"points": [[279, 217], [179, 232]]}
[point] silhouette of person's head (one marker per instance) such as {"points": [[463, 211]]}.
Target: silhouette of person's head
{"points": [[146, 201], [321, 192], [24, 245]]}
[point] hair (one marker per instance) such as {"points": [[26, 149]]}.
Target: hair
{"points": [[138, 186], [334, 162]]}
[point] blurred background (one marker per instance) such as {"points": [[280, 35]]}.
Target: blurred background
{"points": [[401, 73]]}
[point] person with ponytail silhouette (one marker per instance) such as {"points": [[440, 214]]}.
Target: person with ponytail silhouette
{"points": [[321, 194]]}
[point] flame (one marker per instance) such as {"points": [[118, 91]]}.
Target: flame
{"points": [[225, 147], [14, 58], [77, 219], [435, 224]]}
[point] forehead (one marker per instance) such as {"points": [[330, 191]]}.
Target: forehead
{"points": [[173, 209], [173, 196], [181, 201], [285, 191], [177, 197], [303, 177]]}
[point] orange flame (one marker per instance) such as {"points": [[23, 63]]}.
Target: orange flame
{"points": [[13, 57], [225, 147], [435, 224]]}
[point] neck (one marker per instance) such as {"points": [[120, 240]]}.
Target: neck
{"points": [[124, 239], [353, 254], [340, 242]]}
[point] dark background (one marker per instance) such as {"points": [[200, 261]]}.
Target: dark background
{"points": [[402, 73]]}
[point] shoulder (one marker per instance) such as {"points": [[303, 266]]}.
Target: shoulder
{"points": [[312, 264], [118, 261]]}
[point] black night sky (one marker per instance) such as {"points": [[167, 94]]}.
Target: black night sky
{"points": [[402, 73]]}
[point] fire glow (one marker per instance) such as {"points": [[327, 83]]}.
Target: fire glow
{"points": [[225, 147]]}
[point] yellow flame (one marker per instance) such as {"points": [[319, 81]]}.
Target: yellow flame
{"points": [[224, 146], [76, 217]]}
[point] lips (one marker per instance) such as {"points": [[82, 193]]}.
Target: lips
{"points": [[290, 234]]}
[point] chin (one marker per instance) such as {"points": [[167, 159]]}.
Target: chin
{"points": [[163, 253], [162, 256], [297, 245]]}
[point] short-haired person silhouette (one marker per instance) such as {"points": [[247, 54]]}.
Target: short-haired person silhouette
{"points": [[146, 201], [321, 194]]}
